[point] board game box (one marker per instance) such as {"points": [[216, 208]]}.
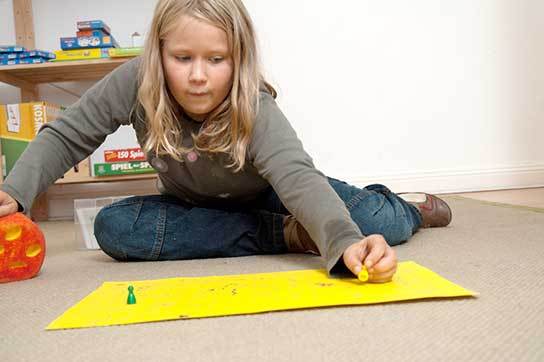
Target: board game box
{"points": [[23, 61], [107, 41], [93, 25], [81, 54], [87, 33], [11, 49], [124, 52], [19, 124], [27, 54], [120, 154]]}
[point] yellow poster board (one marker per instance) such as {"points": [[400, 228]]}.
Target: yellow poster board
{"points": [[185, 298]]}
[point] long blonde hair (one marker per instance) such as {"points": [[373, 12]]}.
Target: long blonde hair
{"points": [[229, 127]]}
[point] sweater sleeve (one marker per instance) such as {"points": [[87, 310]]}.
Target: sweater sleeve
{"points": [[78, 131], [280, 158]]}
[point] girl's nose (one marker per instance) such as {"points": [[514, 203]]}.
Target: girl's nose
{"points": [[198, 73]]}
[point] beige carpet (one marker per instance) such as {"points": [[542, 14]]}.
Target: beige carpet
{"points": [[496, 250]]}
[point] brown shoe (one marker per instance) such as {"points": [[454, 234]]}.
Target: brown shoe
{"points": [[434, 211], [297, 238]]}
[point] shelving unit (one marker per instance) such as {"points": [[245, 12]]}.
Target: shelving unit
{"points": [[27, 77]]}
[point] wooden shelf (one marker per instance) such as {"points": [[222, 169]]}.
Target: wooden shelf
{"points": [[28, 75], [85, 179]]}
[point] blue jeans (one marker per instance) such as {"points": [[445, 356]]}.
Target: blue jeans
{"points": [[161, 227]]}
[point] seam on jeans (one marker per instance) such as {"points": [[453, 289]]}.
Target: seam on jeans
{"points": [[119, 255], [159, 241], [262, 228], [122, 203], [279, 238], [138, 212], [356, 199], [274, 228], [124, 255], [139, 199]]}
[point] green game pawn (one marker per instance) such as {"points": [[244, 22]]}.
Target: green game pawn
{"points": [[131, 298]]}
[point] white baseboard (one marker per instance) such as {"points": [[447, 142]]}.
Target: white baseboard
{"points": [[61, 201], [457, 181]]}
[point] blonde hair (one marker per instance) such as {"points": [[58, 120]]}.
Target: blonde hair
{"points": [[229, 127]]}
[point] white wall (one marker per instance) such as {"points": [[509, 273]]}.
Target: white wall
{"points": [[435, 95]]}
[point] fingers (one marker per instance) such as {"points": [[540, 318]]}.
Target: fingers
{"points": [[382, 278], [7, 210], [378, 257], [376, 246], [354, 255], [387, 262], [385, 269], [8, 205]]}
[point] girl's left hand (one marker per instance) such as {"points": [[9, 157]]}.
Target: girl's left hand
{"points": [[378, 257]]}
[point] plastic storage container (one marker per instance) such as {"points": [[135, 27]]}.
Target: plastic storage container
{"points": [[85, 211]]}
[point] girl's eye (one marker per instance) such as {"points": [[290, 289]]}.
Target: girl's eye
{"points": [[188, 58]]}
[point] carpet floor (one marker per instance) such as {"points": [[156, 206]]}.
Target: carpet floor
{"points": [[494, 249]]}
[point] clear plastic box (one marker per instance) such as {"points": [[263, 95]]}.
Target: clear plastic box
{"points": [[85, 211]]}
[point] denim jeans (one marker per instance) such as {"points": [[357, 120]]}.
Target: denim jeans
{"points": [[161, 227]]}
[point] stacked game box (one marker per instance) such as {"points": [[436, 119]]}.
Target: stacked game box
{"points": [[92, 41], [120, 154], [19, 124], [125, 52], [14, 55]]}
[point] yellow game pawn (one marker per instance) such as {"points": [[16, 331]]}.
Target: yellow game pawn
{"points": [[363, 274]]}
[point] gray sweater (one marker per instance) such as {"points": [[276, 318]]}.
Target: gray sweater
{"points": [[276, 157]]}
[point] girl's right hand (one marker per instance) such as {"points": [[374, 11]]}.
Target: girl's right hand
{"points": [[8, 205], [376, 255]]}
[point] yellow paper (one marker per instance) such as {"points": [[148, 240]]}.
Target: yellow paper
{"points": [[185, 298]]}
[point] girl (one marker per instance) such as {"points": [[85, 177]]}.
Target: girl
{"points": [[233, 177]]}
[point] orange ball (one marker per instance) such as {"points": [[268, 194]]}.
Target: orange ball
{"points": [[22, 248]]}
